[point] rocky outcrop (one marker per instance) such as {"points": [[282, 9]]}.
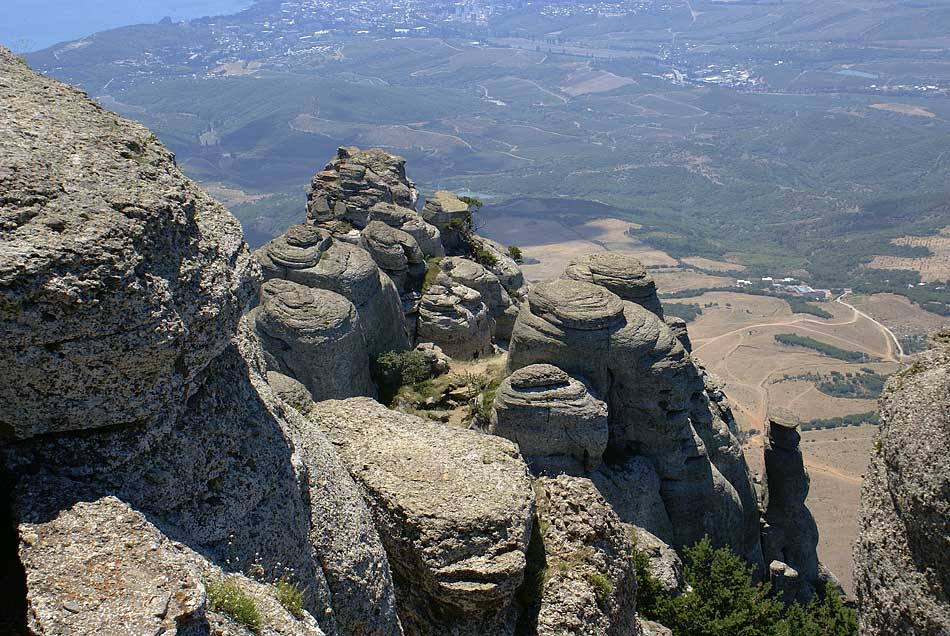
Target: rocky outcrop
{"points": [[500, 305], [454, 317], [621, 273], [394, 251], [121, 287], [655, 396], [100, 567], [789, 532], [310, 256], [446, 211], [499, 263], [453, 507], [314, 336], [591, 585], [427, 236], [550, 414], [901, 559], [354, 182], [665, 564]]}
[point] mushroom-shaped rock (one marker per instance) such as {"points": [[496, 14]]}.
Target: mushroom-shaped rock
{"points": [[568, 324], [354, 182], [444, 208], [120, 279], [411, 222], [394, 251], [308, 255], [790, 534], [591, 587], [314, 335], [621, 273], [455, 318], [471, 274], [549, 413], [454, 508], [902, 561]]}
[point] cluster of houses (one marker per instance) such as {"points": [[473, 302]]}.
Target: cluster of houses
{"points": [[788, 286]]}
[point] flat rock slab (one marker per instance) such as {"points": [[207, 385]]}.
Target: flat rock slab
{"points": [[453, 507]]}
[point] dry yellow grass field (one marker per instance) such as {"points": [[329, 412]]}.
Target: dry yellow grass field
{"points": [[900, 315], [713, 266], [905, 109], [933, 268]]}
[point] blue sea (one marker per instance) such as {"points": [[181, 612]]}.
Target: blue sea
{"points": [[31, 25]]}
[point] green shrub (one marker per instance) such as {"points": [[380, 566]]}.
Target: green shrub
{"points": [[471, 202], [395, 369], [688, 312], [434, 267], [485, 257], [290, 596], [515, 253], [459, 225], [226, 597], [823, 348], [602, 586]]}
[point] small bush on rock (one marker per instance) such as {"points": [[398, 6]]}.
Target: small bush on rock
{"points": [[227, 598], [290, 596], [515, 253], [395, 369]]}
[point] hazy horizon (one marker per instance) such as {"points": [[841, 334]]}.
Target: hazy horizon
{"points": [[32, 25]]}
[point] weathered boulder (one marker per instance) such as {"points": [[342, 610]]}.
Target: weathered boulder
{"points": [[591, 587], [394, 251], [665, 564], [314, 336], [678, 327], [453, 507], [789, 533], [100, 567], [427, 236], [454, 317], [154, 276], [902, 556], [309, 256], [120, 280], [473, 275], [502, 265], [623, 274], [548, 413], [291, 391], [446, 211], [435, 359], [354, 182]]}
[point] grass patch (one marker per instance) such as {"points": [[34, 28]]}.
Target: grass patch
{"points": [[227, 598], [290, 596], [601, 585], [434, 269]]}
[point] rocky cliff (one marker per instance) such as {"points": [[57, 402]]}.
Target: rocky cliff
{"points": [[902, 557], [181, 416]]}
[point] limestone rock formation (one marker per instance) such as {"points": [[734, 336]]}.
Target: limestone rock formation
{"points": [[502, 265], [310, 256], [100, 567], [591, 586], [621, 273], [453, 507], [901, 559], [105, 250], [654, 393], [427, 236], [121, 287], [436, 360], [394, 251], [454, 317], [678, 327], [354, 182], [473, 275], [445, 210], [665, 564], [789, 534], [314, 336], [548, 413]]}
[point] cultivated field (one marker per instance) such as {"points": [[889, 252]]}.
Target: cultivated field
{"points": [[934, 268]]}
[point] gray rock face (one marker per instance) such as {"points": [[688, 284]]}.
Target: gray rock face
{"points": [[354, 182], [454, 317], [901, 559], [678, 327], [471, 274], [591, 589], [547, 412], [621, 273], [314, 336], [120, 280], [205, 452], [654, 393], [101, 568], [665, 564], [453, 508], [436, 360], [633, 490], [309, 256], [395, 251], [504, 267], [444, 208], [411, 222], [789, 535]]}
